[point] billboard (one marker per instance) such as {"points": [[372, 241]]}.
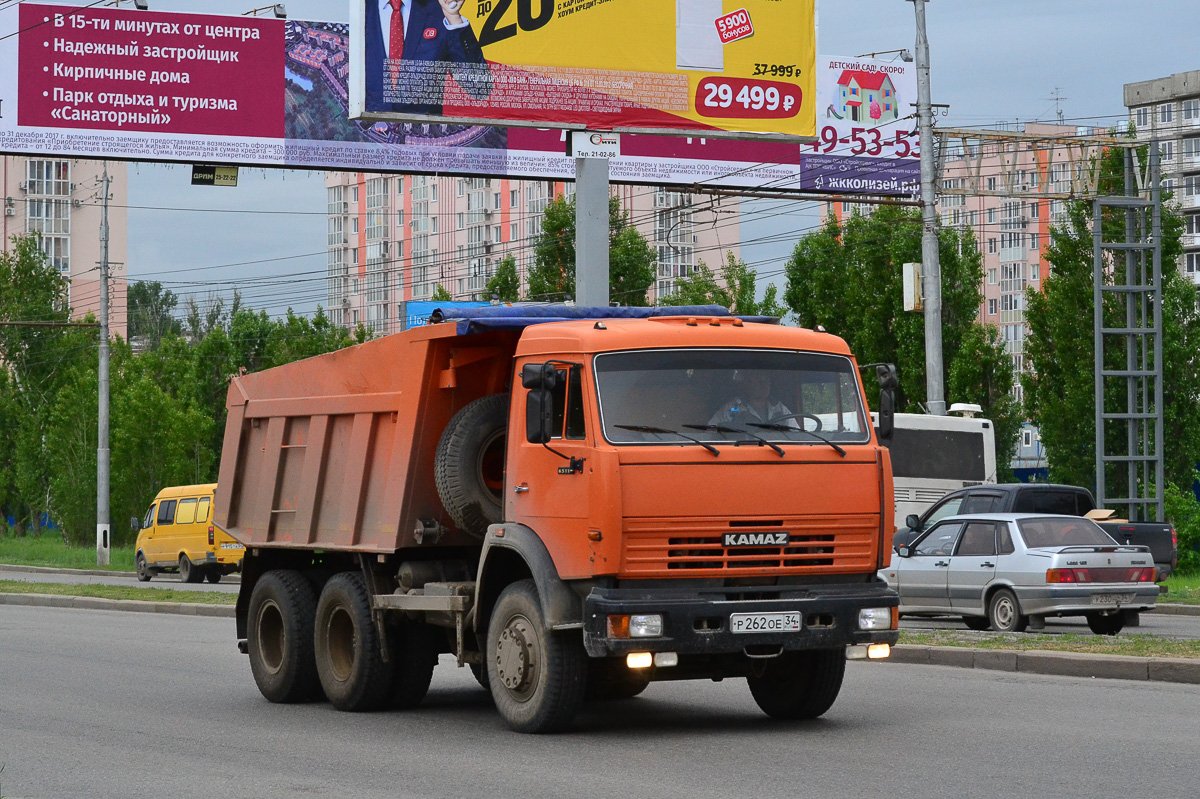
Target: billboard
{"points": [[866, 116], [709, 67]]}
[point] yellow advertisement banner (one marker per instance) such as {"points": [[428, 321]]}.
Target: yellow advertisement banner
{"points": [[718, 66]]}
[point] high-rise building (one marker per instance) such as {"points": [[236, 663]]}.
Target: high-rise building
{"points": [[395, 238], [59, 199], [1168, 110]]}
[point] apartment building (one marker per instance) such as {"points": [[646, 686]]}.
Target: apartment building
{"points": [[394, 238], [59, 199], [1168, 110]]}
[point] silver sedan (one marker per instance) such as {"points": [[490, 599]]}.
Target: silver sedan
{"points": [[998, 570]]}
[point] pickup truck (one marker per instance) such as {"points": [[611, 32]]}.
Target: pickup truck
{"points": [[1045, 498]]}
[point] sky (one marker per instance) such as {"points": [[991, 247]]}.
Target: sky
{"points": [[990, 61]]}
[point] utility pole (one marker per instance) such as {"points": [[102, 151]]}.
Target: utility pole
{"points": [[935, 395], [591, 231], [102, 520]]}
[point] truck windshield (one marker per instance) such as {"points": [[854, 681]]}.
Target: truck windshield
{"points": [[729, 395]]}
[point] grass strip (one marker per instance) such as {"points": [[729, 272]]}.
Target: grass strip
{"points": [[119, 592], [1134, 645]]}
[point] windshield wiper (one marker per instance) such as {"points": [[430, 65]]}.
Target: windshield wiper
{"points": [[790, 429], [641, 428], [720, 428]]}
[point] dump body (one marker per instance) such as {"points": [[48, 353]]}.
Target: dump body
{"points": [[336, 452]]}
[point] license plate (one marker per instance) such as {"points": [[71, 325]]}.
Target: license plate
{"points": [[764, 622], [1112, 599]]}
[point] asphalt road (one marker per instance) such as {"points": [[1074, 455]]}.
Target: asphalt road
{"points": [[1167, 626], [129, 580], [108, 704]]}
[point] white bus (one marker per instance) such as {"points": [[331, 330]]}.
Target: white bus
{"points": [[934, 455]]}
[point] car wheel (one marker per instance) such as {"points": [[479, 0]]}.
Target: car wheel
{"points": [[188, 573], [977, 623], [279, 637], [1102, 624], [538, 677], [346, 641], [799, 685], [1004, 613], [213, 576], [144, 572]]}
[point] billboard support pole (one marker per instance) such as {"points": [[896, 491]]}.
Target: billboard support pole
{"points": [[591, 231], [103, 543], [935, 397]]}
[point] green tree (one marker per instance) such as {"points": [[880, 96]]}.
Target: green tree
{"points": [[150, 313], [983, 371], [738, 293], [847, 278], [505, 285], [631, 259], [440, 294], [37, 360], [1060, 389]]}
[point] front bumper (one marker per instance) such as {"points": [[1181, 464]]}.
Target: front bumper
{"points": [[697, 621], [1076, 598]]}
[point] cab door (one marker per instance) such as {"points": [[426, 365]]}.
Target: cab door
{"points": [[546, 485], [147, 538], [973, 567], [164, 531]]}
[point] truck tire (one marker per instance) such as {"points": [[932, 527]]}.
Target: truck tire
{"points": [[609, 679], [144, 572], [799, 685], [412, 649], [280, 637], [469, 464], [1102, 624], [346, 642], [538, 677], [1004, 613]]}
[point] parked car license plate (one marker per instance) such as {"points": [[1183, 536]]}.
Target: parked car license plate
{"points": [[764, 622], [1112, 599]]}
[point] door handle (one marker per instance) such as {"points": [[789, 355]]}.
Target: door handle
{"points": [[986, 565], [521, 489], [942, 563]]}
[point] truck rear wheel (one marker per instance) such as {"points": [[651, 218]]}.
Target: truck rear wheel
{"points": [[413, 652], [537, 677], [469, 464], [280, 637], [346, 642], [799, 685]]}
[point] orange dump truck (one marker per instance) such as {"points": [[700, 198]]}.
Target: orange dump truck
{"points": [[573, 502]]}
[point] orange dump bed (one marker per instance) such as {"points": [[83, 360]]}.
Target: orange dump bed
{"points": [[336, 452]]}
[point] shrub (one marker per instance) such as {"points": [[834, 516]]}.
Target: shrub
{"points": [[1183, 511]]}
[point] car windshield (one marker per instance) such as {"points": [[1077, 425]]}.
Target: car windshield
{"points": [[1067, 531], [714, 395]]}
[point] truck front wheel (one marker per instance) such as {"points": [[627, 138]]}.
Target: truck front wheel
{"points": [[537, 677], [799, 685], [280, 637], [349, 661]]}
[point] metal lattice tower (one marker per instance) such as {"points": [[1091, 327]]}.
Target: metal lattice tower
{"points": [[1129, 353]]}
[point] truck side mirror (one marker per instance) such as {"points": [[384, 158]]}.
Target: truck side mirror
{"points": [[135, 524], [539, 416], [539, 375], [913, 521], [886, 374]]}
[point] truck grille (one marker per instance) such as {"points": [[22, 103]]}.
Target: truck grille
{"points": [[661, 547]]}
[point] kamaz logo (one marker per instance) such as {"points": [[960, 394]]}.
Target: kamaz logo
{"points": [[755, 539]]}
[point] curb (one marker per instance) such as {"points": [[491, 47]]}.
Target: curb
{"points": [[1064, 664], [127, 605], [1176, 609], [230, 578]]}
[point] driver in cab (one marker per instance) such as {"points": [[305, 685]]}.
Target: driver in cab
{"points": [[752, 403]]}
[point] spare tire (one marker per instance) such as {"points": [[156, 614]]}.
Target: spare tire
{"points": [[469, 464]]}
